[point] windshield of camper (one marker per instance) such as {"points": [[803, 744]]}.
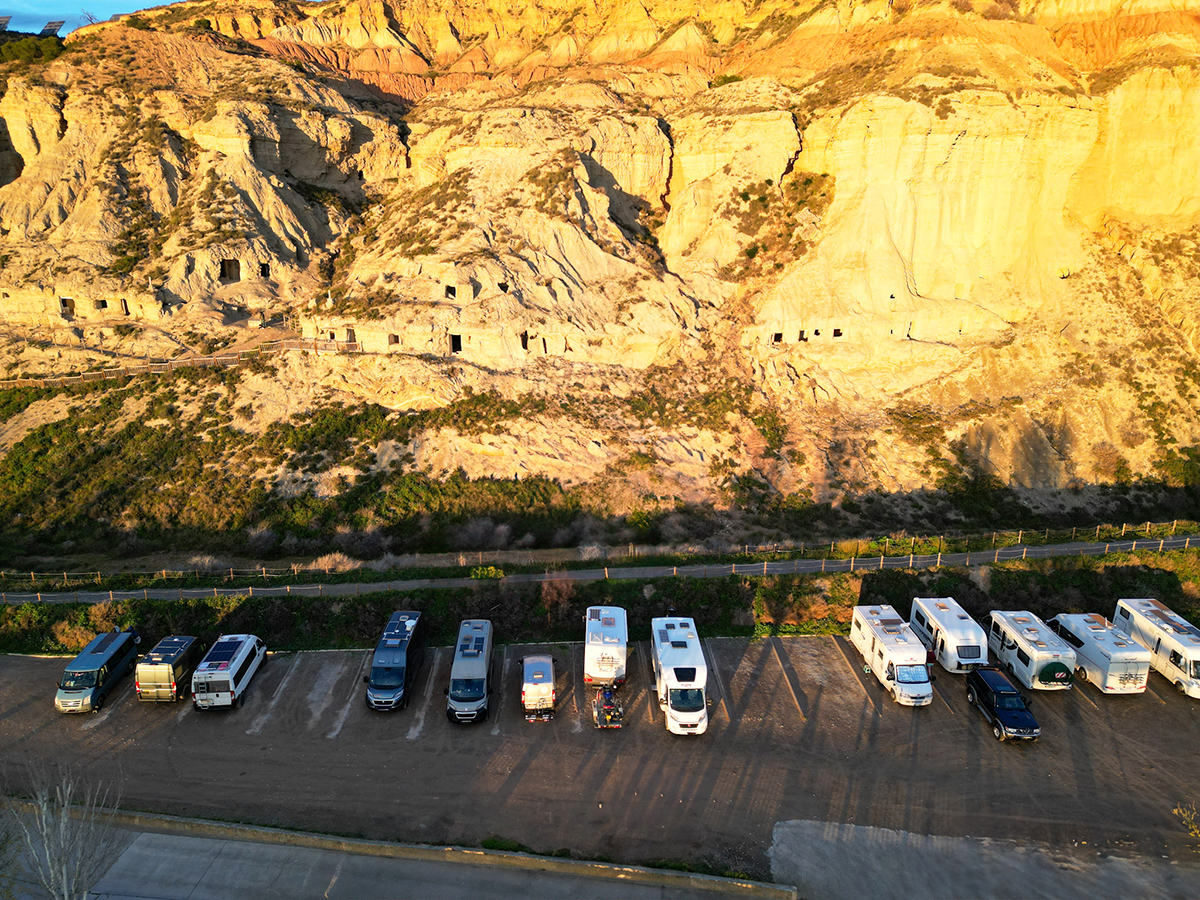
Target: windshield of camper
{"points": [[967, 651], [912, 674], [387, 677], [466, 690], [687, 700], [77, 681]]}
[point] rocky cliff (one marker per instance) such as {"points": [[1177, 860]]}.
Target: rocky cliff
{"points": [[896, 243]]}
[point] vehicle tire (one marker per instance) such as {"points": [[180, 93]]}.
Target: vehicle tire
{"points": [[132, 663], [1081, 675], [99, 704], [970, 696], [195, 706], [1179, 687], [241, 701], [998, 732]]}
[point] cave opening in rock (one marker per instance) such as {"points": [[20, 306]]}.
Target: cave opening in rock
{"points": [[456, 343], [231, 270]]}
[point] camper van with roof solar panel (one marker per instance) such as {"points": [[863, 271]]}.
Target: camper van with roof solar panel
{"points": [[224, 674], [954, 639], [1030, 650], [1110, 659], [1173, 641], [92, 675], [680, 674], [893, 654], [470, 673], [396, 661]]}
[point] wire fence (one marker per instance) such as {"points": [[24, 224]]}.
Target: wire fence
{"points": [[793, 565], [166, 366]]}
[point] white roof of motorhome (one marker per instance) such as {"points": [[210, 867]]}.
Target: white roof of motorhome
{"points": [[889, 629], [606, 625], [1166, 619], [1097, 630], [1031, 631], [676, 643], [220, 655], [952, 618]]}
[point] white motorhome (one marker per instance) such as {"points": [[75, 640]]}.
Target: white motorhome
{"points": [[957, 641], [1108, 658], [1035, 655], [893, 654], [605, 645], [680, 674], [1173, 642], [470, 673], [224, 674]]}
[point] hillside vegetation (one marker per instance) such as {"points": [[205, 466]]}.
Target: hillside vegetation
{"points": [[615, 273]]}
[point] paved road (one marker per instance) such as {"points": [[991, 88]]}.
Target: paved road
{"points": [[854, 862], [637, 573], [173, 867]]}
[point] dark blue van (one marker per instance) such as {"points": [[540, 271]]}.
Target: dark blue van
{"points": [[92, 675]]}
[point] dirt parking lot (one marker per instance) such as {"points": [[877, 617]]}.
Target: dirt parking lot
{"points": [[797, 732]]}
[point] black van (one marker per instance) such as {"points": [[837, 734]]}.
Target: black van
{"points": [[165, 673], [1002, 704], [396, 661]]}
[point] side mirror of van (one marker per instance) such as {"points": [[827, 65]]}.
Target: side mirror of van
{"points": [[366, 679], [446, 691]]}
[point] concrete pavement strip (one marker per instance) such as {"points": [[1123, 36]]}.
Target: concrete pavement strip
{"points": [[163, 824]]}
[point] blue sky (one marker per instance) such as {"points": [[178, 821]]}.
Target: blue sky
{"points": [[31, 16]]}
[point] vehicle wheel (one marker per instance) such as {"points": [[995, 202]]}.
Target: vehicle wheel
{"points": [[195, 706], [241, 701], [970, 696], [1081, 675], [99, 704], [129, 668], [998, 732], [1179, 687]]}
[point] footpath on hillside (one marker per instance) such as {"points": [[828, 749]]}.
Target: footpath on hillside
{"points": [[634, 573]]}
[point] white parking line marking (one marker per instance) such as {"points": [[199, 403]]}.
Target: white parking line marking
{"points": [[710, 660], [415, 731], [500, 690], [577, 696], [354, 683], [321, 693], [256, 726]]}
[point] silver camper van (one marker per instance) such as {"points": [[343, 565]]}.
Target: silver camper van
{"points": [[470, 673]]}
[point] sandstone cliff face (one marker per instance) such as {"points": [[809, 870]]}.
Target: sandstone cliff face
{"points": [[863, 213]]}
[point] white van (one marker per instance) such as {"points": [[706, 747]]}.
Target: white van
{"points": [[470, 673], [893, 654], [680, 674], [957, 642], [1108, 658], [605, 645], [1035, 655], [224, 674], [1173, 642]]}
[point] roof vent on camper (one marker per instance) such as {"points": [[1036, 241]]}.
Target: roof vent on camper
{"points": [[670, 624], [679, 645], [941, 606]]}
